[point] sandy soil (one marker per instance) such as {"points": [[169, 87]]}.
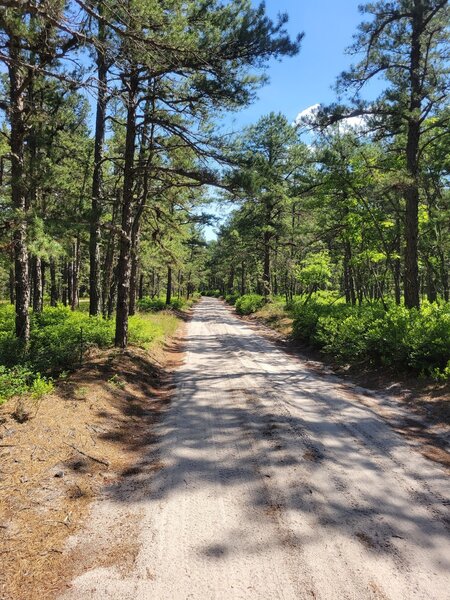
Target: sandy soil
{"points": [[268, 480], [79, 440]]}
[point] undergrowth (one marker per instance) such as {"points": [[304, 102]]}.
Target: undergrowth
{"points": [[60, 338]]}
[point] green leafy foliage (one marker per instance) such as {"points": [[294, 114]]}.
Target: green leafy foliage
{"points": [[405, 339], [249, 303], [60, 337], [213, 293], [157, 304], [232, 298], [148, 304], [20, 380]]}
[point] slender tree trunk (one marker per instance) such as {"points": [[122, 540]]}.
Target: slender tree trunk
{"points": [[242, 278], [11, 285], [134, 268], [153, 284], [431, 284], [230, 285], [97, 180], [349, 286], [266, 265], [112, 294], [70, 283], [169, 285], [65, 282], [75, 273], [443, 273], [108, 265], [37, 284], [53, 286], [124, 264], [141, 286], [18, 191], [411, 282]]}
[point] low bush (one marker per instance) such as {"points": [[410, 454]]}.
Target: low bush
{"points": [[397, 337], [232, 298], [151, 304], [212, 293], [249, 303], [59, 338], [157, 304], [21, 380]]}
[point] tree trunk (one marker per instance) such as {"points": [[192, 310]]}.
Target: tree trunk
{"points": [[141, 286], [169, 285], [242, 278], [70, 283], [75, 273], [97, 180], [11, 285], [266, 267], [65, 282], [37, 284], [124, 264], [53, 285], [134, 269], [411, 280], [349, 286], [431, 284], [18, 191]]}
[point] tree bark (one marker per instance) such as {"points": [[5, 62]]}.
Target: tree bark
{"points": [[75, 299], [411, 277], [169, 285], [53, 285], [266, 266], [11, 285], [349, 285], [37, 284], [17, 87], [124, 264], [97, 179], [134, 268]]}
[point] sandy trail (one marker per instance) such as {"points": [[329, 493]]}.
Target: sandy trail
{"points": [[275, 484]]}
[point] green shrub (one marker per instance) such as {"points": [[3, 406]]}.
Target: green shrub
{"points": [[22, 380], [232, 298], [177, 303], [151, 304], [40, 387], [212, 293], [59, 337], [249, 303], [397, 337]]}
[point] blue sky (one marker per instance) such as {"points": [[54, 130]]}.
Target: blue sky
{"points": [[308, 78]]}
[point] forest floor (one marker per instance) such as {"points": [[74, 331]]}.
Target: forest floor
{"points": [[261, 475], [57, 458]]}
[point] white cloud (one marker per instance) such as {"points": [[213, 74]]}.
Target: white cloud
{"points": [[307, 113], [350, 124], [355, 123]]}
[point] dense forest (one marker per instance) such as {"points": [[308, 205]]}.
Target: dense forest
{"points": [[111, 156]]}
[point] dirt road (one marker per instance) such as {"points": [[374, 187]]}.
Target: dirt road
{"points": [[272, 483]]}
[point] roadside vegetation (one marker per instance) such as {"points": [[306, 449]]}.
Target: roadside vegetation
{"points": [[370, 334], [340, 220], [60, 339]]}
